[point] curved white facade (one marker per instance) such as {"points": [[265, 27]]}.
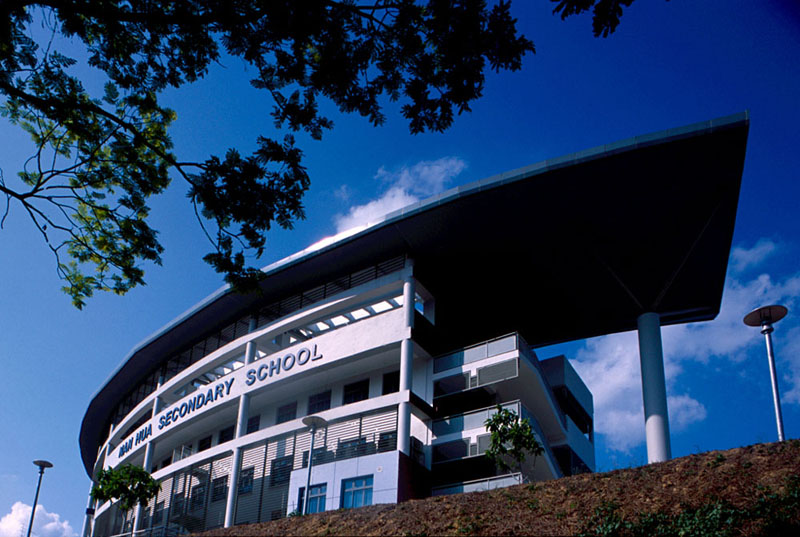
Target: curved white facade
{"points": [[226, 439]]}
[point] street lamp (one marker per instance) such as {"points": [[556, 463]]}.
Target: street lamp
{"points": [[315, 422], [42, 465], [764, 317]]}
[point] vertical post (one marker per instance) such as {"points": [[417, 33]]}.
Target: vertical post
{"points": [[35, 499], [147, 465], [87, 520], [233, 484], [310, 464], [241, 429], [250, 349], [406, 363], [148, 461], [766, 329], [654, 388]]}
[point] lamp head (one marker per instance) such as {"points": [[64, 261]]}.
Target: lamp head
{"points": [[765, 315]]}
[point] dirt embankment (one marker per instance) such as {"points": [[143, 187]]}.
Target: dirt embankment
{"points": [[742, 480]]}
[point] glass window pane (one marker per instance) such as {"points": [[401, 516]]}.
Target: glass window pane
{"points": [[503, 345]]}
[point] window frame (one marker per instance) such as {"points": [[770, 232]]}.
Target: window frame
{"points": [[253, 424], [225, 433], [282, 413], [219, 488], [363, 491], [246, 480], [355, 392], [314, 495], [321, 403]]}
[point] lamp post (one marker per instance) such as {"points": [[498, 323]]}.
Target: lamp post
{"points": [[315, 422], [42, 465], [764, 317]]}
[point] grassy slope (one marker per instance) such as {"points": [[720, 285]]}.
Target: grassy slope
{"points": [[597, 502]]}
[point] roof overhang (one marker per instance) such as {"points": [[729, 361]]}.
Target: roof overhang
{"points": [[567, 249]]}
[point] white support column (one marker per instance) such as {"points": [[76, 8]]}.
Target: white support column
{"points": [[252, 346], [87, 520], [406, 365], [148, 461], [654, 388], [241, 429], [147, 465], [233, 484]]}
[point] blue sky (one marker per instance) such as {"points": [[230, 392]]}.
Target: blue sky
{"points": [[669, 64]]}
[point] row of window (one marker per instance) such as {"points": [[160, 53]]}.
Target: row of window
{"points": [[354, 392], [172, 366], [356, 492]]}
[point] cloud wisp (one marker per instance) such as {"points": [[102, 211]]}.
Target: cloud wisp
{"points": [[403, 187], [45, 524], [610, 364]]}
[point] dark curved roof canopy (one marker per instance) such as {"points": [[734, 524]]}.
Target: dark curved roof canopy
{"points": [[566, 249]]}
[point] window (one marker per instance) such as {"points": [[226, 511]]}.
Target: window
{"points": [[253, 424], [357, 492], [226, 434], [181, 452], [158, 515], [352, 448], [198, 497], [281, 470], [219, 488], [177, 505], [391, 382], [166, 462], [387, 441], [204, 443], [246, 480], [319, 402], [316, 498], [286, 413], [357, 391]]}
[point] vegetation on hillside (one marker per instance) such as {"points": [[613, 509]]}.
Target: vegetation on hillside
{"points": [[748, 491]]}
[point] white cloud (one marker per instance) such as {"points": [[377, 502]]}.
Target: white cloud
{"points": [[45, 524], [342, 193], [393, 199], [610, 364], [405, 186], [743, 258], [787, 354], [683, 411]]}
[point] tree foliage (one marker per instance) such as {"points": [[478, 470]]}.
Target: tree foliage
{"points": [[129, 484], [512, 439], [98, 159], [605, 13]]}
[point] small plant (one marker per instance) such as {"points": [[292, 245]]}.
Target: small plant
{"points": [[294, 513], [512, 438], [719, 459]]}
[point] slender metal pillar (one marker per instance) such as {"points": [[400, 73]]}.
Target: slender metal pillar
{"points": [[241, 429], [230, 505], [87, 519], [406, 367], [148, 461], [42, 465], [767, 330], [310, 465], [654, 388], [250, 349]]}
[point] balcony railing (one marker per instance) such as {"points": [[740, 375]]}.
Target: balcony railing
{"points": [[469, 420], [479, 484]]}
